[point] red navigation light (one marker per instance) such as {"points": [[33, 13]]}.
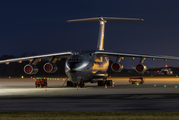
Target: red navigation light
{"points": [[141, 19], [158, 71], [67, 20], [166, 65]]}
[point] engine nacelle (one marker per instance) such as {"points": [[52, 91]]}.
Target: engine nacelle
{"points": [[30, 69], [117, 67], [140, 68], [50, 67]]}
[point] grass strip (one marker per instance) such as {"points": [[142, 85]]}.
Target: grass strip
{"points": [[89, 115]]}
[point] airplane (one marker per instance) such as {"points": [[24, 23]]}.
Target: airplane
{"points": [[88, 66]]}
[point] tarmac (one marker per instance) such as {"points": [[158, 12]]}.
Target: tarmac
{"points": [[26, 86], [157, 94]]}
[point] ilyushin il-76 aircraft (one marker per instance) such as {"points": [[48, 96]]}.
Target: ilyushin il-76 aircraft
{"points": [[87, 66]]}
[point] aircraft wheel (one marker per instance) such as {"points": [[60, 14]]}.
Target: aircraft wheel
{"points": [[99, 82], [103, 83], [74, 84], [82, 84], [109, 82], [68, 83]]}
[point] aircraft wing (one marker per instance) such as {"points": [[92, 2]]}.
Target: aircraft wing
{"points": [[117, 54], [47, 56]]}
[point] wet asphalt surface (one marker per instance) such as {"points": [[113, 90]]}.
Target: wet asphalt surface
{"points": [[124, 98], [123, 103]]}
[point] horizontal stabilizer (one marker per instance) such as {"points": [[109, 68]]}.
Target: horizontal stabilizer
{"points": [[105, 19]]}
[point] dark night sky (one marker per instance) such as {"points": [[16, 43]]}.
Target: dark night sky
{"points": [[41, 27]]}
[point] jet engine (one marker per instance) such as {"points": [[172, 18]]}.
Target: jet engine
{"points": [[117, 67], [30, 69], [140, 68], [50, 67]]}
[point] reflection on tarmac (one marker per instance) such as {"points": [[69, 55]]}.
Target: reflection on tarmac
{"points": [[152, 85], [155, 95]]}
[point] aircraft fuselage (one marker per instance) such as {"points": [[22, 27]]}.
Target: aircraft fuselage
{"points": [[83, 66]]}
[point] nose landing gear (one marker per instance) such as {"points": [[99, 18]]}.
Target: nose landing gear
{"points": [[82, 84]]}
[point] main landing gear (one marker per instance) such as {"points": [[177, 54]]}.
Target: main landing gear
{"points": [[104, 82], [70, 84]]}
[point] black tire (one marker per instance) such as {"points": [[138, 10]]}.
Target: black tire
{"points": [[99, 82], [82, 84], [71, 84], [109, 82], [103, 83], [68, 83], [74, 84]]}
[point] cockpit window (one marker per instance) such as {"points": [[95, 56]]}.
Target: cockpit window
{"points": [[74, 60]]}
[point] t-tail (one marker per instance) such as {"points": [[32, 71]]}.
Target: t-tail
{"points": [[103, 20]]}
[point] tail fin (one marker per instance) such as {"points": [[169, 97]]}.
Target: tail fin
{"points": [[102, 21]]}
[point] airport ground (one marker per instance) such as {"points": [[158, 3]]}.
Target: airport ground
{"points": [[157, 94], [152, 85]]}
